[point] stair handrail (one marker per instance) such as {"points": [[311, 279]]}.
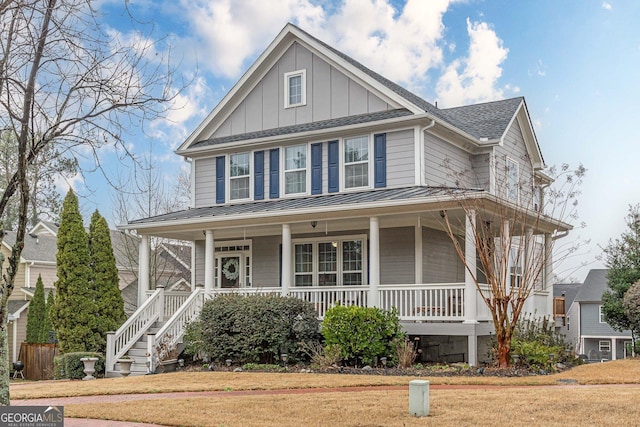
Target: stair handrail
{"points": [[170, 334], [119, 342]]}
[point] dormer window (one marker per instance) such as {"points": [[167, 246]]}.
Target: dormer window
{"points": [[239, 176], [295, 85]]}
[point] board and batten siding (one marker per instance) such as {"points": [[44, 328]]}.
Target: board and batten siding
{"points": [[329, 94], [400, 158], [397, 260], [447, 165], [590, 322], [440, 262], [205, 182], [515, 149]]}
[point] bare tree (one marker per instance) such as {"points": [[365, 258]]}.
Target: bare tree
{"points": [[513, 228], [66, 83]]}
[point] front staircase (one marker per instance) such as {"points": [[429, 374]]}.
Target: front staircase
{"points": [[159, 323]]}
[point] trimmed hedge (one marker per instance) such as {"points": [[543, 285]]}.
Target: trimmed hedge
{"points": [[363, 333], [253, 329], [69, 366]]}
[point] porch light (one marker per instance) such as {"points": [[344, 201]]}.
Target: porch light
{"points": [[313, 224], [334, 244]]}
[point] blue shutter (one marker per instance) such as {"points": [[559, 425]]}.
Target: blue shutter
{"points": [[334, 164], [274, 173], [220, 162], [258, 175], [316, 168], [380, 160]]}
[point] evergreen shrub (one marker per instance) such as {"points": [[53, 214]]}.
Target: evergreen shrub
{"points": [[253, 329], [69, 366]]}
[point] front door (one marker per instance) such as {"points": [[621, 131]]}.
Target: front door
{"points": [[230, 271]]}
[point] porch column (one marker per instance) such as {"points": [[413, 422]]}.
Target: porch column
{"points": [[287, 268], [614, 353], [470, 291], [143, 269], [527, 268], [209, 261], [374, 261], [548, 270], [418, 253]]}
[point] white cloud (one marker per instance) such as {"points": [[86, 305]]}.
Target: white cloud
{"points": [[607, 5], [474, 78]]}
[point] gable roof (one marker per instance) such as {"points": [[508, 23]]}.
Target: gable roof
{"points": [[15, 307], [482, 123], [568, 291], [37, 247], [594, 285], [45, 227]]}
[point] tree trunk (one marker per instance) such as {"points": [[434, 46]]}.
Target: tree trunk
{"points": [[4, 358], [504, 352]]}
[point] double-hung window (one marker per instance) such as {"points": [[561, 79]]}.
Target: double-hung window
{"points": [[356, 162], [304, 264], [513, 178], [295, 89], [516, 266], [239, 176], [295, 169]]}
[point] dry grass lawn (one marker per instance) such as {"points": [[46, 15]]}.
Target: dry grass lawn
{"points": [[549, 405]]}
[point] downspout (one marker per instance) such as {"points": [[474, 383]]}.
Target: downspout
{"points": [[420, 180]]}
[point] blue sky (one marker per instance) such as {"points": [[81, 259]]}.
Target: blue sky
{"points": [[576, 64]]}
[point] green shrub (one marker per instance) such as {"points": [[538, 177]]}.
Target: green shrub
{"points": [[69, 365], [362, 333], [538, 345], [255, 328]]}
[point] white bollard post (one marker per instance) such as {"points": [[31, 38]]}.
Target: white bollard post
{"points": [[419, 398]]}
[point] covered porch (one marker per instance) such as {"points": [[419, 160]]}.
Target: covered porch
{"points": [[381, 248]]}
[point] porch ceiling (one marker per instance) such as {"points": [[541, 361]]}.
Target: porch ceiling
{"points": [[331, 212]]}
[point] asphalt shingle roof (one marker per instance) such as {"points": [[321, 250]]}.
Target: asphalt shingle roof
{"points": [[41, 247], [305, 127], [15, 305], [594, 285], [306, 202], [568, 290]]}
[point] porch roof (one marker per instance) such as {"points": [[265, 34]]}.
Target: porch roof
{"points": [[317, 202]]}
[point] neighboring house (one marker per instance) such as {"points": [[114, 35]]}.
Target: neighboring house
{"points": [[318, 178], [39, 258], [585, 326], [564, 295]]}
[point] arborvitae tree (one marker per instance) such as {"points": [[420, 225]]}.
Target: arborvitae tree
{"points": [[47, 327], [74, 312], [109, 302], [36, 315]]}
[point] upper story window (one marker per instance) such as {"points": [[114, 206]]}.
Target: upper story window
{"points": [[356, 162], [295, 169], [295, 85], [601, 315], [513, 178], [515, 266], [239, 176]]}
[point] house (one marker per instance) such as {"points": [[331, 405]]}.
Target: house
{"points": [[38, 258], [318, 178], [585, 324]]}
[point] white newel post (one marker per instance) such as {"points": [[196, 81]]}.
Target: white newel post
{"points": [[287, 271], [160, 306], [143, 269], [374, 259], [548, 270], [470, 291], [209, 259]]}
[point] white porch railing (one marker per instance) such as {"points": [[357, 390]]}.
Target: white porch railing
{"points": [[325, 297], [129, 333], [442, 301], [171, 333]]}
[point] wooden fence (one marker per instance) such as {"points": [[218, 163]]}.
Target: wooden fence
{"points": [[38, 360]]}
